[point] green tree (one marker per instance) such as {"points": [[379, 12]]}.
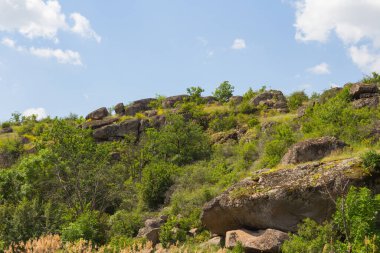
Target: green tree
{"points": [[156, 179], [296, 99], [195, 94], [224, 92], [178, 141]]}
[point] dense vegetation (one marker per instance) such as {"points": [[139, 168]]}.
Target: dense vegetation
{"points": [[56, 179]]}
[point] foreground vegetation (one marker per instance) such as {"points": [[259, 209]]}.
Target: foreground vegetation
{"points": [[59, 185]]}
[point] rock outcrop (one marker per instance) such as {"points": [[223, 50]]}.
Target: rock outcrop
{"points": [[364, 95], [272, 99], [118, 131], [120, 109], [98, 114], [281, 199], [6, 130], [311, 150], [139, 106], [170, 102], [262, 241], [94, 124], [362, 90], [236, 100], [151, 230]]}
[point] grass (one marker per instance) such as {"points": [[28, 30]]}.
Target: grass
{"points": [[277, 118]]}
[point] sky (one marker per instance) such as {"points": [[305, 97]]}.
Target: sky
{"points": [[60, 57]]}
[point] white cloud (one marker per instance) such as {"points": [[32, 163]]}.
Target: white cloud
{"points": [[320, 69], [83, 28], [36, 19], [32, 18], [238, 44], [39, 112], [62, 56], [11, 44], [352, 21]]}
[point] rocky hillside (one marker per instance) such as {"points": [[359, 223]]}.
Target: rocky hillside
{"points": [[193, 173]]}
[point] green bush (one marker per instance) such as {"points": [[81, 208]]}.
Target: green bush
{"points": [[195, 94], [156, 179], [178, 141], [336, 117], [89, 226], [224, 92], [371, 160], [375, 78], [125, 224], [223, 122], [296, 99], [5, 124]]}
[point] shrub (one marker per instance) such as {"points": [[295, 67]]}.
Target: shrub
{"points": [[296, 99], [195, 94], [157, 104], [371, 161], [89, 226], [156, 179], [5, 124], [223, 123], [178, 141], [224, 92], [375, 78], [125, 224]]}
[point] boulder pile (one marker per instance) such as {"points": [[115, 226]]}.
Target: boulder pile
{"points": [[364, 95], [272, 99]]}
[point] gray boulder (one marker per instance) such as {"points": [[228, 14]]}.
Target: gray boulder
{"points": [[362, 90], [281, 199], [311, 150], [151, 230], [170, 102], [209, 99], [120, 109], [118, 131], [6, 130], [141, 105], [371, 102], [261, 241], [98, 114], [94, 124], [236, 100], [272, 99]]}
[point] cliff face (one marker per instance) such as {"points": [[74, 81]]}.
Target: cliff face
{"points": [[281, 199]]}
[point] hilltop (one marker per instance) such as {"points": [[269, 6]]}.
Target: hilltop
{"points": [[260, 172]]}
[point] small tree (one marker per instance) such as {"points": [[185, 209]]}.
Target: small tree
{"points": [[224, 92], [195, 94], [296, 99]]}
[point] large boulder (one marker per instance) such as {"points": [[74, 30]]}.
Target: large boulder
{"points": [[209, 99], [151, 229], [282, 198], [236, 100], [94, 124], [170, 102], [272, 99], [371, 102], [120, 109], [141, 105], [362, 90], [98, 114], [6, 130], [311, 150], [118, 131], [261, 241]]}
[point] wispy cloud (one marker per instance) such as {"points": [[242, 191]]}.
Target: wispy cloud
{"points": [[238, 44], [320, 69], [62, 56]]}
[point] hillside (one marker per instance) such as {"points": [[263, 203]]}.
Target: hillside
{"points": [[261, 172]]}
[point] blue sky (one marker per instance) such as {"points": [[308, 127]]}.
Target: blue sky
{"points": [[76, 56]]}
